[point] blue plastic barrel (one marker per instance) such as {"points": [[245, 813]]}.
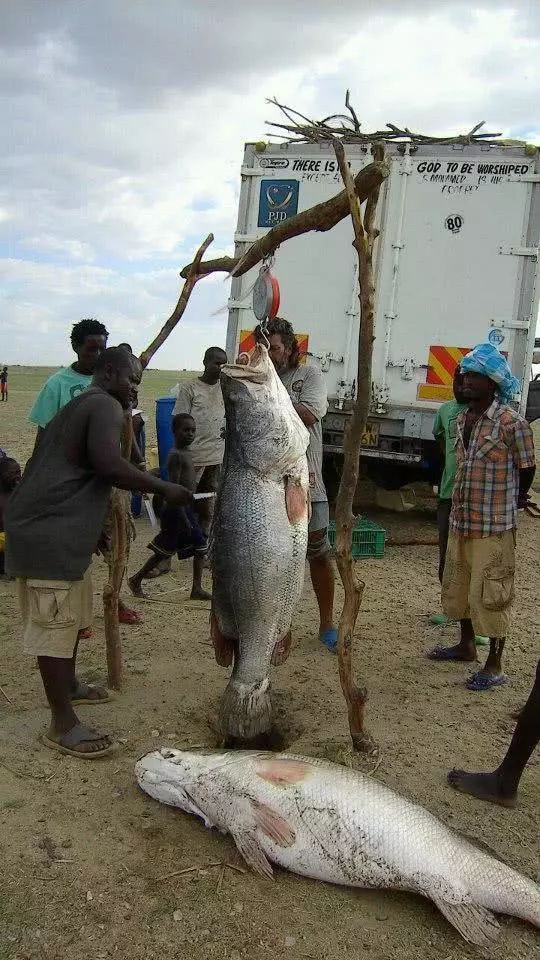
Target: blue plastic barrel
{"points": [[165, 439]]}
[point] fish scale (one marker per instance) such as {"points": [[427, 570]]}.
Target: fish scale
{"points": [[334, 824]]}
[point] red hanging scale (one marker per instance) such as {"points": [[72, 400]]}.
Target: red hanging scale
{"points": [[266, 295]]}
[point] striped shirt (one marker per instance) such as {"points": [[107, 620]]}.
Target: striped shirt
{"points": [[487, 477]]}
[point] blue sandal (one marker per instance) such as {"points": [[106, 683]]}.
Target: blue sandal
{"points": [[329, 638], [485, 681]]}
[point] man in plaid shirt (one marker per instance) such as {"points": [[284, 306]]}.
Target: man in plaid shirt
{"points": [[495, 468]]}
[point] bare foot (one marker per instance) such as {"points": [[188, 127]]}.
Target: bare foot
{"points": [[484, 786], [198, 593], [134, 585]]}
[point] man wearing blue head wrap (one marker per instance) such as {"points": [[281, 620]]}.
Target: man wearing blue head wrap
{"points": [[495, 468]]}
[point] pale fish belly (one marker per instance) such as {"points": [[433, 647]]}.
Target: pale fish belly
{"points": [[258, 559]]}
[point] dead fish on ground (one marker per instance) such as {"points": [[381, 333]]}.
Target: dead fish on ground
{"points": [[258, 540], [331, 823]]}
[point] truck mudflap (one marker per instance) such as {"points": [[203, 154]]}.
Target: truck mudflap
{"points": [[441, 367]]}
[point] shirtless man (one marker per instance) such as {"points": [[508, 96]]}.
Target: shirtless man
{"points": [[53, 521]]}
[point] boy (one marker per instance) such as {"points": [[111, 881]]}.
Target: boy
{"points": [[4, 384], [180, 531], [10, 475]]}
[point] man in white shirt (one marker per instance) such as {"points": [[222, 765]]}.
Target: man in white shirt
{"points": [[203, 400], [306, 387]]}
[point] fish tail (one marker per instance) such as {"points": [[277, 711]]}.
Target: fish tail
{"points": [[506, 891], [523, 900], [246, 709]]}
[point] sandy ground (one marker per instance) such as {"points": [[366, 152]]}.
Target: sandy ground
{"points": [[87, 858]]}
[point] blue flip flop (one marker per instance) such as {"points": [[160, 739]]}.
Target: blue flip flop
{"points": [[485, 681], [329, 638]]}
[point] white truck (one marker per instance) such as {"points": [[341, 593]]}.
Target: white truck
{"points": [[457, 263]]}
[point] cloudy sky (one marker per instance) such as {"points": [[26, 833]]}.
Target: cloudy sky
{"points": [[123, 126]]}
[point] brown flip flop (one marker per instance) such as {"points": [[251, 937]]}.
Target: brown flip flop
{"points": [[77, 735]]}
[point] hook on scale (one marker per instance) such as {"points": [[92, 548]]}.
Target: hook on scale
{"points": [[266, 297]]}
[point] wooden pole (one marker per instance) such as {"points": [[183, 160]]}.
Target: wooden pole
{"points": [[321, 217], [364, 238], [191, 274], [118, 527], [119, 520]]}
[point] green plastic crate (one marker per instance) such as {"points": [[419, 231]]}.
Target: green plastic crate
{"points": [[367, 538]]}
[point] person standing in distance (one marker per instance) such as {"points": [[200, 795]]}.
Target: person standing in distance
{"points": [[4, 384], [306, 387]]}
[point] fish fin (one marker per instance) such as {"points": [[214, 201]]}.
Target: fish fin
{"points": [[253, 853], [282, 773], [475, 924], [273, 824], [295, 501], [223, 646], [282, 650]]}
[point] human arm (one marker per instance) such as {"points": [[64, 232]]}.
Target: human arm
{"points": [[184, 399], [524, 458], [312, 402], [526, 477], [174, 466], [137, 456], [39, 435], [306, 415], [103, 451], [46, 405]]}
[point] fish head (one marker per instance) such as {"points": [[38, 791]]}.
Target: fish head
{"points": [[169, 775], [263, 430]]}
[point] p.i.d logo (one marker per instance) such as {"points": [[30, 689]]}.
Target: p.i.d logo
{"points": [[278, 201]]}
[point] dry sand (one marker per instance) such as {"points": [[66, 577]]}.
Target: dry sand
{"points": [[86, 856]]}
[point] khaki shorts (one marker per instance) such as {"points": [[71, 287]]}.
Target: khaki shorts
{"points": [[53, 612], [478, 581]]}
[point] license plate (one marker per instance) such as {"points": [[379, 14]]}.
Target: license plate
{"points": [[370, 436]]}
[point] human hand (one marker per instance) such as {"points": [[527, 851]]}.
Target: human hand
{"points": [[104, 544], [178, 496]]}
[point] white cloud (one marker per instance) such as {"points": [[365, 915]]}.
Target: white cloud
{"points": [[126, 128]]}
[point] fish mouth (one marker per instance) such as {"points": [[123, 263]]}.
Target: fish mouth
{"points": [[255, 370]]}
